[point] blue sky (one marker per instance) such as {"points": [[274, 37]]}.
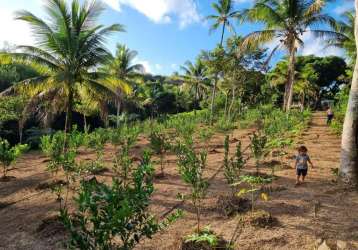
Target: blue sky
{"points": [[165, 33]]}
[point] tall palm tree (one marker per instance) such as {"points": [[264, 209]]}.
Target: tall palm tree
{"points": [[70, 46], [124, 74], [195, 78], [349, 148], [285, 22], [346, 41], [224, 14]]}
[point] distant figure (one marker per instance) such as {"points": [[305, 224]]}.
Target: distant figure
{"points": [[301, 164], [330, 115]]}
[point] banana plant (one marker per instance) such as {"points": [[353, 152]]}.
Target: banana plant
{"points": [[253, 182]]}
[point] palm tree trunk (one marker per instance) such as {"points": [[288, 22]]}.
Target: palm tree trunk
{"points": [[232, 102], [118, 103], [349, 148], [303, 102], [226, 101], [84, 122], [216, 79], [222, 35], [213, 100], [290, 80], [68, 125]]}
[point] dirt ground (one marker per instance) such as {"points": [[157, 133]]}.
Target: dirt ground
{"points": [[24, 207]]}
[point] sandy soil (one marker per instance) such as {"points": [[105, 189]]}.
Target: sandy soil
{"points": [[337, 216]]}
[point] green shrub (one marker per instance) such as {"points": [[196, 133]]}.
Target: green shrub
{"points": [[191, 168], [119, 210], [233, 166], [159, 143], [8, 154], [258, 147]]}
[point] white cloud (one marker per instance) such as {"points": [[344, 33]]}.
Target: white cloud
{"points": [[162, 11], [316, 46], [14, 31], [149, 68], [343, 7], [146, 65], [113, 4]]}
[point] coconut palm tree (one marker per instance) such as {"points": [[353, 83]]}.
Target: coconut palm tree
{"points": [[224, 14], [285, 22], [123, 72], [195, 79], [349, 150], [346, 41], [70, 46]]}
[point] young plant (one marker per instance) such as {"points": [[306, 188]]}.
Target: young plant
{"points": [[119, 211], [160, 145], [205, 136], [124, 140], [258, 148], [8, 154], [254, 182], [191, 168], [206, 235], [62, 150], [233, 166], [96, 141]]}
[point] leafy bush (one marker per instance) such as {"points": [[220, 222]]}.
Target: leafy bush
{"points": [[233, 166], [8, 154], [258, 147], [106, 212], [224, 125], [191, 168], [159, 144], [340, 110]]}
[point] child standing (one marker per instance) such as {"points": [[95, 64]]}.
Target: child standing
{"points": [[301, 164], [329, 115]]}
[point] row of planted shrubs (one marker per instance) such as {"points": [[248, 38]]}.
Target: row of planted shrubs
{"points": [[126, 199]]}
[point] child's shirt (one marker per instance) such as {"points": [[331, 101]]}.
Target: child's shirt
{"points": [[302, 161]]}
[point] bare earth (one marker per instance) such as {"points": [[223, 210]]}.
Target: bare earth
{"points": [[337, 216]]}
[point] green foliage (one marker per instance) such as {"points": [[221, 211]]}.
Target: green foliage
{"points": [[8, 154], [339, 109], [315, 76], [205, 135], [191, 168], [62, 148], [234, 165], [119, 210], [11, 107], [258, 147], [205, 235], [225, 125], [159, 143], [124, 139], [66, 59]]}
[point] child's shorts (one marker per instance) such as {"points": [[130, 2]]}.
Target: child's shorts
{"points": [[302, 172]]}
